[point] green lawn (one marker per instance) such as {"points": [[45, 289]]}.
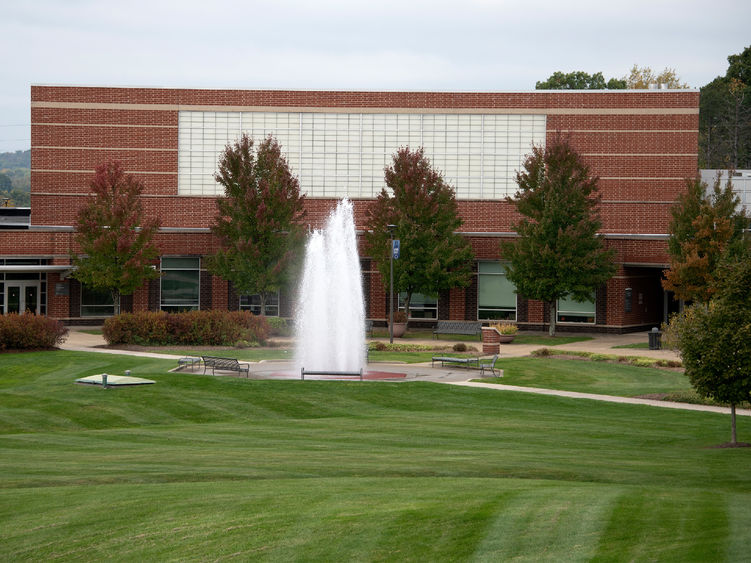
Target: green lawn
{"points": [[589, 376], [197, 468], [545, 340]]}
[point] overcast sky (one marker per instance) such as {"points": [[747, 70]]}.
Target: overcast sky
{"points": [[475, 45]]}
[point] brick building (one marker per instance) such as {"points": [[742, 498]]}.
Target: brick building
{"points": [[642, 145]]}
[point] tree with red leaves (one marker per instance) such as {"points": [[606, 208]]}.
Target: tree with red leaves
{"points": [[116, 242], [259, 219]]}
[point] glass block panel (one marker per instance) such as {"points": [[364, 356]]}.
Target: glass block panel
{"points": [[361, 144]]}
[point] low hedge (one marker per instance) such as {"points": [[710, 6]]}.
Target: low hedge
{"points": [[30, 332], [193, 328]]}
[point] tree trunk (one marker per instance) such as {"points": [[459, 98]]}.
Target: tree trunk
{"points": [[733, 435], [551, 328], [262, 295], [406, 305]]}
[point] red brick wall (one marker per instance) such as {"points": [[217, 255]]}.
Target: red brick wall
{"points": [[641, 144], [649, 135], [369, 99]]}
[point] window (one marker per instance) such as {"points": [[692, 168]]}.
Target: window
{"points": [[496, 299], [96, 302], [420, 306], [180, 284], [570, 311], [252, 303]]}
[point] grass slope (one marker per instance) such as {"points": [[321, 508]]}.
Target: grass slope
{"points": [[197, 468], [589, 377]]}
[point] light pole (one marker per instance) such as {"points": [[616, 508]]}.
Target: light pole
{"points": [[391, 284]]}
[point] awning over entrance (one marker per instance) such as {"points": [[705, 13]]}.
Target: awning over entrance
{"points": [[37, 268]]}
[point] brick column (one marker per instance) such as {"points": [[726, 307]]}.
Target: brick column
{"points": [[491, 340]]}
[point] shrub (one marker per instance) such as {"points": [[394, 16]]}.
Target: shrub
{"points": [[460, 347], [192, 328], [278, 326], [30, 332], [541, 352], [643, 362]]}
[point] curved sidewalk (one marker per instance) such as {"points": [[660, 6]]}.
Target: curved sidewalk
{"points": [[605, 398]]}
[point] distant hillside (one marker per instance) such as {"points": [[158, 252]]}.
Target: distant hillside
{"points": [[15, 178], [18, 159]]}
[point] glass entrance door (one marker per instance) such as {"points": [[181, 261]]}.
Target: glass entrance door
{"points": [[22, 297]]}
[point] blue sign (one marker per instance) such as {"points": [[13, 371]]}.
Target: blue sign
{"points": [[395, 249]]}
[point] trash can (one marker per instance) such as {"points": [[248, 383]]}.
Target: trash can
{"points": [[655, 339]]}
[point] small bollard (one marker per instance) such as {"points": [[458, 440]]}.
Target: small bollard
{"points": [[127, 373], [104, 380]]}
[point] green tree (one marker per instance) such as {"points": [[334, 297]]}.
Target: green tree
{"points": [[557, 252], [423, 207], [725, 116], [116, 242], [579, 80], [714, 339], [258, 220], [5, 182], [703, 224]]}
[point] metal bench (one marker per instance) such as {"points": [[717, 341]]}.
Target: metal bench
{"points": [[462, 362], [490, 364], [188, 361], [304, 372], [227, 364], [457, 327]]}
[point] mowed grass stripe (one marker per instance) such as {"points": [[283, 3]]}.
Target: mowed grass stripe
{"points": [[413, 519]]}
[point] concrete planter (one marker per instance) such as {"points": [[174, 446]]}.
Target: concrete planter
{"points": [[399, 329]]}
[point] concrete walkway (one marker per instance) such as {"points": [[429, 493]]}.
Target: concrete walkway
{"points": [[601, 343], [606, 398]]}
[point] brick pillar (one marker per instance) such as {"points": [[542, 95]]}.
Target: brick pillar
{"points": [[491, 340]]}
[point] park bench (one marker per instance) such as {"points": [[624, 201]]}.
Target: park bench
{"points": [[304, 372], [457, 327], [490, 364], [461, 362], [188, 361], [227, 364]]}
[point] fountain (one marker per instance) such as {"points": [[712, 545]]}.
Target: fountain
{"points": [[330, 317]]}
